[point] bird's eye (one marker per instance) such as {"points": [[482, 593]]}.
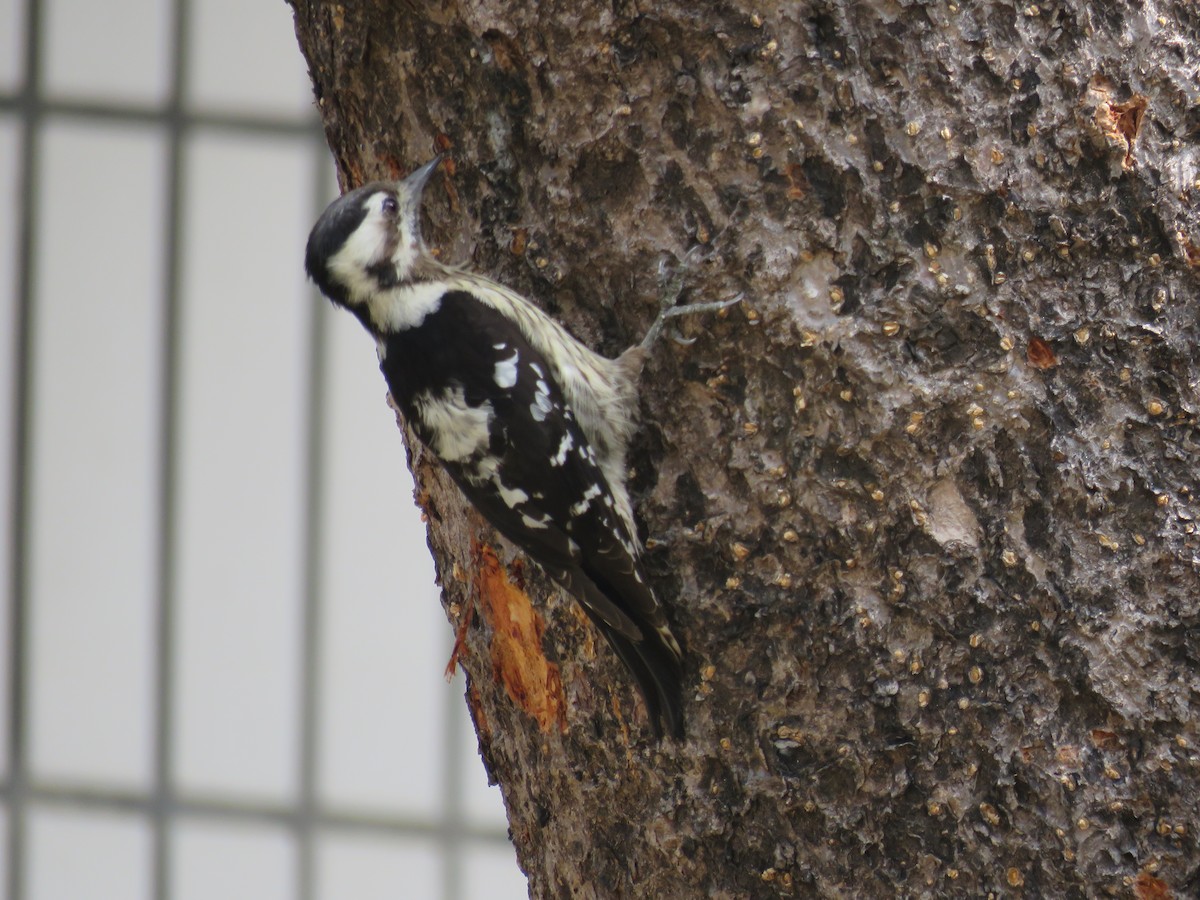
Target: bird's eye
{"points": [[390, 206]]}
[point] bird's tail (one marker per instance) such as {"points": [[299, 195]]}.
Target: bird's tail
{"points": [[658, 670]]}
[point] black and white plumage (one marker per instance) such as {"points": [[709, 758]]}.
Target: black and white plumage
{"points": [[530, 424]]}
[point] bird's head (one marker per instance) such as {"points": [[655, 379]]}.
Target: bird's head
{"points": [[369, 240]]}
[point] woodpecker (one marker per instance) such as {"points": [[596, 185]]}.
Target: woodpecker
{"points": [[530, 424]]}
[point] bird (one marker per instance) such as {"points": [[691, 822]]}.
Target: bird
{"points": [[530, 424]]}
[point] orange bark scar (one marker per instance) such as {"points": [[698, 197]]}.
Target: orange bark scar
{"points": [[1191, 250], [1040, 354], [1147, 887], [460, 640], [1120, 123], [531, 681]]}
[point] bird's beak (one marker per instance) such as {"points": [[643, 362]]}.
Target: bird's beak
{"points": [[415, 182]]}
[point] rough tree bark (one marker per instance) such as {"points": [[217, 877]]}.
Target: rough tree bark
{"points": [[923, 507]]}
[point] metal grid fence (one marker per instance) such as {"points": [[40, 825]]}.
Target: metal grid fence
{"points": [[160, 804]]}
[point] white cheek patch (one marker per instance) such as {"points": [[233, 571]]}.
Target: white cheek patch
{"points": [[405, 307], [506, 370], [405, 257], [363, 249], [457, 430]]}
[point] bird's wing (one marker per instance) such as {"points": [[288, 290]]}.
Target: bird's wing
{"points": [[519, 455]]}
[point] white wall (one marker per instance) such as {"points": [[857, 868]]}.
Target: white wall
{"points": [[285, 731]]}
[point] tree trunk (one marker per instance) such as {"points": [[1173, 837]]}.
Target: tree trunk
{"points": [[922, 506]]}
